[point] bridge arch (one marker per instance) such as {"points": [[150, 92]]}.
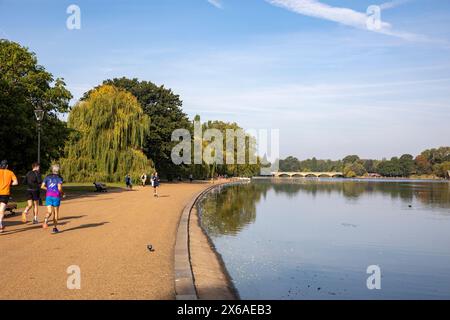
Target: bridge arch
{"points": [[297, 175], [311, 175], [280, 174]]}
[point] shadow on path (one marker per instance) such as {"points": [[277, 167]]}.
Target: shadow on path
{"points": [[9, 223], [85, 226], [32, 227]]}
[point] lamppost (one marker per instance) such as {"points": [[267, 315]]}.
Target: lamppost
{"points": [[39, 113]]}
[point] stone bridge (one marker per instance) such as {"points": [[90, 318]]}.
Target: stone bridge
{"points": [[307, 174]]}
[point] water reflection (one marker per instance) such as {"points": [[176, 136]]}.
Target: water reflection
{"points": [[314, 239], [232, 208]]}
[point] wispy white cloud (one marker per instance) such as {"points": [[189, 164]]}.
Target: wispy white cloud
{"points": [[393, 4], [216, 3], [345, 16]]}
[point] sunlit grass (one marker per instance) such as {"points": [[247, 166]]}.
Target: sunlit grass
{"points": [[18, 193]]}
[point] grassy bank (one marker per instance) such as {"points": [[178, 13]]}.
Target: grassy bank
{"points": [[72, 189]]}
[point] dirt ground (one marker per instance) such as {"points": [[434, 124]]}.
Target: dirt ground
{"points": [[106, 235]]}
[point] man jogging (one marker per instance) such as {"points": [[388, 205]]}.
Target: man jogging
{"points": [[155, 183], [7, 178], [33, 180], [53, 184], [128, 182]]}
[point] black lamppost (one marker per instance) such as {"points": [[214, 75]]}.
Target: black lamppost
{"points": [[39, 113]]}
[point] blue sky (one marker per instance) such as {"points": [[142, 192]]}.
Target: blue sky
{"points": [[307, 67]]}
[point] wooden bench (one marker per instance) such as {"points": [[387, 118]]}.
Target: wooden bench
{"points": [[100, 187], [10, 207]]}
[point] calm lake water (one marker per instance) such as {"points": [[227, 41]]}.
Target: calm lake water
{"points": [[314, 239]]}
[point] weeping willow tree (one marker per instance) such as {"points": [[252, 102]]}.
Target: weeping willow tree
{"points": [[108, 132]]}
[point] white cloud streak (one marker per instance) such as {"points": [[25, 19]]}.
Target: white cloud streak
{"points": [[345, 16], [393, 4], [216, 3]]}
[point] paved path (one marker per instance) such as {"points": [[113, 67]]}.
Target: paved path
{"points": [[106, 235]]}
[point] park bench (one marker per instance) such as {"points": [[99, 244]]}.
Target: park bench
{"points": [[10, 207], [100, 187]]}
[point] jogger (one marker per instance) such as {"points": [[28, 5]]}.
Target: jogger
{"points": [[33, 180], [7, 178], [53, 184], [155, 183], [144, 179], [128, 182]]}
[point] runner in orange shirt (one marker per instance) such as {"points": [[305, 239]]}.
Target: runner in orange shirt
{"points": [[7, 178]]}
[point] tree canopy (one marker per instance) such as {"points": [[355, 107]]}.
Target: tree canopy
{"points": [[24, 86], [108, 132], [246, 169], [165, 109]]}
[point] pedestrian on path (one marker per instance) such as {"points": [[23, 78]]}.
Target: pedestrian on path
{"points": [[144, 179], [128, 182], [33, 181], [7, 179], [53, 185], [155, 183]]}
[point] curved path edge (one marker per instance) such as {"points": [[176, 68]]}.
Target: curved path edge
{"points": [[185, 282]]}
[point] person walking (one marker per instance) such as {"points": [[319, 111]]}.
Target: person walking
{"points": [[128, 182], [53, 185], [7, 178], [33, 181], [191, 177], [144, 179], [155, 183]]}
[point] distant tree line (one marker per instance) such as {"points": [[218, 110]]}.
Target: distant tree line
{"points": [[434, 161]]}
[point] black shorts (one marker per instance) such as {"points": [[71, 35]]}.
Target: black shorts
{"points": [[4, 199], [34, 195]]}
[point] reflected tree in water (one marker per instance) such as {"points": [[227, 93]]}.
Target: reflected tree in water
{"points": [[229, 210]]}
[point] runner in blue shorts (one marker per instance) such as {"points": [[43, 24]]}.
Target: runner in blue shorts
{"points": [[53, 184]]}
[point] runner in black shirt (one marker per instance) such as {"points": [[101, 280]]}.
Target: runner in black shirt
{"points": [[33, 181]]}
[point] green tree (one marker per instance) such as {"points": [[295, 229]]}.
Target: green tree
{"points": [[442, 169], [437, 155], [350, 159], [390, 168], [290, 164], [407, 165], [24, 86], [109, 130], [354, 169], [164, 108], [241, 170], [369, 165], [348, 172]]}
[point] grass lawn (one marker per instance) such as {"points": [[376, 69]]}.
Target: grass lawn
{"points": [[71, 189]]}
